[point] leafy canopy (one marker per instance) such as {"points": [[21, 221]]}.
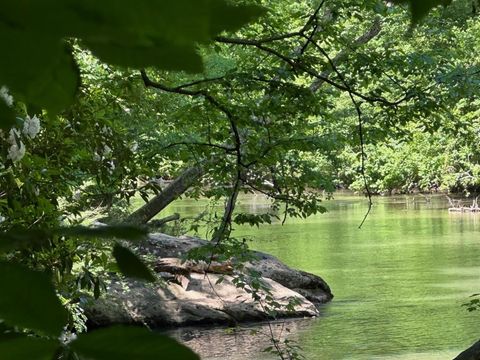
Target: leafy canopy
{"points": [[39, 66]]}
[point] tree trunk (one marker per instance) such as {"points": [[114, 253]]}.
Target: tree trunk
{"points": [[181, 184]]}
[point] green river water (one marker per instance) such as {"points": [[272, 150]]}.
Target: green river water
{"points": [[398, 282]]}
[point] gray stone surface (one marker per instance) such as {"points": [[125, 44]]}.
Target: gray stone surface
{"points": [[472, 353], [197, 298]]}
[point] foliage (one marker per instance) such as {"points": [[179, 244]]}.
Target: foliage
{"points": [[130, 265], [45, 314], [138, 35], [122, 342], [311, 97], [35, 188]]}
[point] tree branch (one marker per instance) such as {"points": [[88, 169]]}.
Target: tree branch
{"points": [[181, 184], [371, 33], [360, 131], [227, 149], [298, 65]]}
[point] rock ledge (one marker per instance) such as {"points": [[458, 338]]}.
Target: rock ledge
{"points": [[199, 299]]}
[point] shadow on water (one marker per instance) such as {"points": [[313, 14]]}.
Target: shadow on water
{"points": [[399, 282]]}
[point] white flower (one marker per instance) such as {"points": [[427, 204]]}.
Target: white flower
{"points": [[13, 135], [6, 96], [106, 130], [31, 126], [112, 165], [107, 150], [76, 195], [16, 152], [97, 157], [2, 219], [134, 147]]}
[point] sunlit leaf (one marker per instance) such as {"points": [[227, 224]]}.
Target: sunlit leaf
{"points": [[28, 300], [131, 265], [23, 348], [128, 343]]}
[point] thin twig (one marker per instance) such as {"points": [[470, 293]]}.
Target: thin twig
{"points": [[298, 65], [207, 144], [360, 131]]}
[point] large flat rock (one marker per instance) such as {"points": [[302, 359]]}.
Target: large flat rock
{"points": [[201, 298]]}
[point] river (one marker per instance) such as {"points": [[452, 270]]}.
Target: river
{"points": [[399, 282]]}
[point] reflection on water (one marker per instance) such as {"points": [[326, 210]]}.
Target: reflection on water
{"points": [[244, 342], [399, 282]]}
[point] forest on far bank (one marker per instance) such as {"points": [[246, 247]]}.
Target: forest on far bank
{"points": [[102, 103]]}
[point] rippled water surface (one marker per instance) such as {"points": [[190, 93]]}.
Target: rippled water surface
{"points": [[398, 282]]}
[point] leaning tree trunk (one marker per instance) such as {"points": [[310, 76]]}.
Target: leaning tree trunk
{"points": [[181, 184], [472, 353], [371, 33]]}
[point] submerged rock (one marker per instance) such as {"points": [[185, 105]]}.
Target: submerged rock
{"points": [[189, 295]]}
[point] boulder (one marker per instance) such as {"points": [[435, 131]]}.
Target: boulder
{"points": [[472, 353], [189, 294]]}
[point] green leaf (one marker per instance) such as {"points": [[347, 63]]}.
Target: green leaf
{"points": [[56, 87], [96, 289], [30, 348], [131, 265], [7, 116], [34, 238], [226, 17], [8, 332], [22, 239], [39, 70], [420, 8], [28, 300], [127, 232], [160, 54], [128, 343]]}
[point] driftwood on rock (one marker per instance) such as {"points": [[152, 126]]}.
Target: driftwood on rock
{"points": [[176, 265], [196, 293]]}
